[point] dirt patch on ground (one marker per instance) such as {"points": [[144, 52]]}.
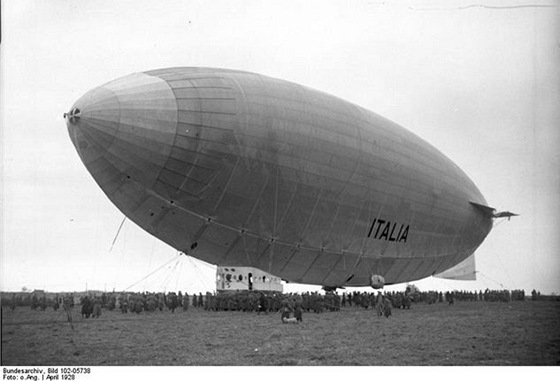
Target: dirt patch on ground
{"points": [[468, 333]]}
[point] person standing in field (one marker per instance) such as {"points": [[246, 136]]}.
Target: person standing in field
{"points": [[380, 304], [286, 309], [186, 301], [263, 304], [449, 298], [387, 306], [298, 309]]}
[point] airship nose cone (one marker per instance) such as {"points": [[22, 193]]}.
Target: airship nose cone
{"points": [[93, 121], [124, 128]]}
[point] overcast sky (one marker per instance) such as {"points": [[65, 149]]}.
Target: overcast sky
{"points": [[481, 84]]}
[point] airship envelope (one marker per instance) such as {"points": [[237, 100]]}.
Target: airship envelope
{"points": [[240, 169]]}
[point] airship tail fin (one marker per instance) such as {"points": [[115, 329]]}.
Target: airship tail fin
{"points": [[465, 270]]}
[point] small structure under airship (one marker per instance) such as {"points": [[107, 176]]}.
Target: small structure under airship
{"points": [[242, 170]]}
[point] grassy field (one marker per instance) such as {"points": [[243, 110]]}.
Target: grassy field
{"points": [[469, 333]]}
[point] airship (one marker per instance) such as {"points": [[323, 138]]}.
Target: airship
{"points": [[240, 169]]}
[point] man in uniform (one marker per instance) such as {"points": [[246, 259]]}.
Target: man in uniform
{"points": [[263, 304], [186, 301], [286, 308], [194, 301], [298, 309], [380, 303]]}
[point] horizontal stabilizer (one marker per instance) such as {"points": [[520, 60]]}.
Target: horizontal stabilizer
{"points": [[505, 214], [465, 270], [491, 212]]}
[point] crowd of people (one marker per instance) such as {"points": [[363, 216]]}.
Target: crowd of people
{"points": [[260, 301]]}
